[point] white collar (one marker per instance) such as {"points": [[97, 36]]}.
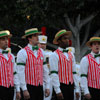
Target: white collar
{"points": [[61, 49], [30, 46], [94, 53]]}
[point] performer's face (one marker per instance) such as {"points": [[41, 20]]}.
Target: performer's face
{"points": [[3, 42], [64, 41], [42, 45], [95, 46], [34, 39]]}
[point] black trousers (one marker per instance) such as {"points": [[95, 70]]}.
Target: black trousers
{"points": [[6, 93], [36, 92], [67, 91], [95, 93]]}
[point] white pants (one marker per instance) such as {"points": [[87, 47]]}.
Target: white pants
{"points": [[75, 95], [51, 89]]}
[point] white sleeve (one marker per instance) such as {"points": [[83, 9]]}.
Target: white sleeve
{"points": [[53, 61], [16, 79], [46, 77], [83, 71], [75, 77], [21, 61]]}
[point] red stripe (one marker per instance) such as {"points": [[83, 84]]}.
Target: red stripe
{"points": [[64, 67], [65, 73], [34, 75], [0, 69], [6, 79], [93, 73]]}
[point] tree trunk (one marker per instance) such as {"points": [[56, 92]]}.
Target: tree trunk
{"points": [[80, 50], [77, 48]]}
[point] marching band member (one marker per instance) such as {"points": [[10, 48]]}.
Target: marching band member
{"points": [[7, 68], [30, 67], [62, 67], [42, 44], [90, 70]]}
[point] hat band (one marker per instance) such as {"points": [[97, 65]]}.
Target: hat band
{"points": [[95, 40], [61, 33], [30, 32], [3, 34]]}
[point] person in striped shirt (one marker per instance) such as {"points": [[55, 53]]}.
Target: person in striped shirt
{"points": [[62, 68], [90, 70], [30, 68], [7, 68]]}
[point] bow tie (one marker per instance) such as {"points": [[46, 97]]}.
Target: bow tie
{"points": [[5, 51], [64, 50], [97, 55], [35, 48]]}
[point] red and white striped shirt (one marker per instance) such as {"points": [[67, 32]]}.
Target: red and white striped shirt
{"points": [[54, 61], [34, 67], [6, 71], [65, 67], [93, 72]]}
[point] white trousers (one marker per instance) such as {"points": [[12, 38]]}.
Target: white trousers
{"points": [[75, 95], [51, 89]]}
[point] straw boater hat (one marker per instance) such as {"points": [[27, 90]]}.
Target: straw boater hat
{"points": [[93, 39], [30, 32], [61, 33], [5, 33], [42, 39]]}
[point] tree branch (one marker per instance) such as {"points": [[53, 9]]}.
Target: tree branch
{"points": [[86, 20], [86, 34], [67, 20], [77, 21]]}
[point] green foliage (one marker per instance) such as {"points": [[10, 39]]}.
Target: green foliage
{"points": [[18, 15]]}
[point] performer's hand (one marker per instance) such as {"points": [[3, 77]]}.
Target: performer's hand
{"points": [[60, 96], [18, 96], [47, 92], [87, 96], [26, 95], [77, 95]]}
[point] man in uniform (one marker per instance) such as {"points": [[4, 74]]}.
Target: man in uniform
{"points": [[30, 68], [42, 44], [90, 70], [62, 67], [7, 68]]}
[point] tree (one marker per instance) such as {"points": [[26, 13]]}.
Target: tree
{"points": [[79, 16], [82, 14]]}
